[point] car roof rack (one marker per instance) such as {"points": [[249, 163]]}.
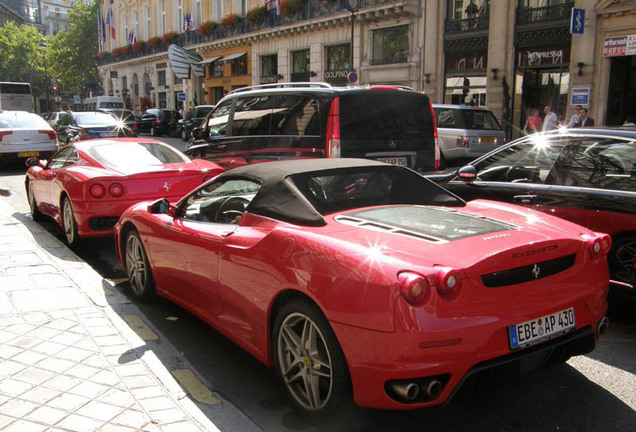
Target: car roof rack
{"points": [[282, 85]]}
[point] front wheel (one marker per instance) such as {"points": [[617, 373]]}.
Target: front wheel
{"points": [[69, 225], [33, 205], [142, 283], [309, 360]]}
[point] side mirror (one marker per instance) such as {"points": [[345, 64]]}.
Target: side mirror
{"points": [[467, 173], [33, 161], [197, 133], [160, 206]]}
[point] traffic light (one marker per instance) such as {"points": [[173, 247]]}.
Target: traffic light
{"points": [[54, 90]]}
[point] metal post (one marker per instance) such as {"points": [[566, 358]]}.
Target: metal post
{"points": [[353, 7], [46, 77]]}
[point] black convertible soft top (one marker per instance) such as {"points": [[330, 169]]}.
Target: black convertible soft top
{"points": [[285, 194]]}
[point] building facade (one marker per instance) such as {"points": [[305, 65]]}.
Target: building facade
{"points": [[509, 56]]}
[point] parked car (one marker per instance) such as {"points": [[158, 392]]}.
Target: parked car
{"points": [[85, 125], [466, 132], [358, 278], [124, 115], [159, 122], [87, 185], [24, 135], [300, 120], [193, 119], [585, 176], [53, 117]]}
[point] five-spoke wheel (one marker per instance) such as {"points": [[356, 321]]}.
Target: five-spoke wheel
{"points": [[140, 277]]}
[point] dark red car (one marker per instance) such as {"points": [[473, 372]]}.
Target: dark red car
{"points": [[87, 185], [364, 280], [587, 176]]}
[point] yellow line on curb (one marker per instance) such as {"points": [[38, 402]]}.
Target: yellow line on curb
{"points": [[195, 387], [140, 327]]}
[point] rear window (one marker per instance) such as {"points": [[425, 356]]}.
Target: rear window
{"points": [[22, 120], [479, 120], [385, 115], [130, 157], [95, 119]]}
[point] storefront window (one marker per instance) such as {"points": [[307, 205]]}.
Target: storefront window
{"points": [[163, 100], [338, 64], [216, 69], [239, 66], [390, 45], [269, 69], [469, 90], [300, 66]]}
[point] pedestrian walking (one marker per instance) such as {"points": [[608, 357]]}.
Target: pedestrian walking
{"points": [[551, 121], [584, 120], [533, 122]]}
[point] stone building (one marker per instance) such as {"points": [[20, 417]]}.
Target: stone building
{"points": [[509, 56]]}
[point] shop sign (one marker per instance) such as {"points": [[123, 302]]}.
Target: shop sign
{"points": [[272, 79], [463, 61], [617, 46], [580, 96], [336, 75], [543, 56]]}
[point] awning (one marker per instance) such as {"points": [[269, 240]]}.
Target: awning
{"points": [[209, 60], [234, 56], [182, 60]]}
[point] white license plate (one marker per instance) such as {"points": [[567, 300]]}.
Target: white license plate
{"points": [[537, 330], [28, 154], [108, 134], [394, 160]]}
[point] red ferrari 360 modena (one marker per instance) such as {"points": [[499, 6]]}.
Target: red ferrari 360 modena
{"points": [[358, 279], [87, 185]]}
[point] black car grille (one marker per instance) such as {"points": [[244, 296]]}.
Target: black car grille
{"points": [[529, 272], [102, 223]]}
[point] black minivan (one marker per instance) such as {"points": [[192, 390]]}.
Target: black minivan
{"points": [[305, 120]]}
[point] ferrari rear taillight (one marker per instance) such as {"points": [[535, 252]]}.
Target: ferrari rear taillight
{"points": [[599, 245], [116, 190], [3, 133], [414, 288], [52, 135], [448, 282], [333, 130], [97, 191]]}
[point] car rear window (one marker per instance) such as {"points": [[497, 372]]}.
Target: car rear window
{"points": [[385, 115], [479, 120], [95, 119], [130, 157], [23, 120]]}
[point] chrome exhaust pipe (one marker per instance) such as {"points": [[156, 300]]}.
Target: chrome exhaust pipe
{"points": [[602, 326], [432, 388], [407, 391]]}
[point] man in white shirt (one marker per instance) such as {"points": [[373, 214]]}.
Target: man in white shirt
{"points": [[551, 121], [576, 116]]}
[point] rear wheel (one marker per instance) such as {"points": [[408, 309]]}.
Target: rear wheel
{"points": [[142, 284], [154, 132], [69, 225], [184, 136], [33, 205], [308, 359]]}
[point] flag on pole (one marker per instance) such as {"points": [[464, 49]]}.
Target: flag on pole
{"points": [[110, 23]]}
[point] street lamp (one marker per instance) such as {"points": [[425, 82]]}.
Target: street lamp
{"points": [[353, 8], [46, 76]]}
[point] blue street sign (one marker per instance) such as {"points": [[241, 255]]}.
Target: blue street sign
{"points": [[577, 24], [180, 96], [580, 96]]}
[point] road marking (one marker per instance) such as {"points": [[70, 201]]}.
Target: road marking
{"points": [[139, 327], [195, 387]]}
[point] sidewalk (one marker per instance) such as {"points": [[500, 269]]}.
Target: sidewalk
{"points": [[77, 355]]}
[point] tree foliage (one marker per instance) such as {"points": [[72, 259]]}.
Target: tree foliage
{"points": [[70, 54], [22, 56]]}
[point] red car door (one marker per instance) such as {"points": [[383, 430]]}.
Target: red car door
{"points": [[185, 259]]}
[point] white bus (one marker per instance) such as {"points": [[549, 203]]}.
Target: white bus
{"points": [[93, 103], [16, 96]]}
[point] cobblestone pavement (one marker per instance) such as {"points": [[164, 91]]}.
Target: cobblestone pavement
{"points": [[76, 354]]}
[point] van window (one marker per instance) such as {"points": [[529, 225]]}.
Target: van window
{"points": [[296, 115], [218, 121], [375, 116], [253, 116]]}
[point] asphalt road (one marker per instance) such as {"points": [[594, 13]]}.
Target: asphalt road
{"points": [[596, 392]]}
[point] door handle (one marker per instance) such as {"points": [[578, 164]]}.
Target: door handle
{"points": [[525, 199]]}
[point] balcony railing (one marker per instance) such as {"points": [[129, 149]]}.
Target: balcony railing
{"points": [[313, 9], [559, 12], [479, 23]]}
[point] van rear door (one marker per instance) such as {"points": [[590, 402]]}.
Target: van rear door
{"points": [[389, 125]]}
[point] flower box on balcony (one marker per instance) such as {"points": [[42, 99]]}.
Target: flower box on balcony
{"points": [[154, 41], [169, 37], [207, 28], [138, 46], [231, 20]]}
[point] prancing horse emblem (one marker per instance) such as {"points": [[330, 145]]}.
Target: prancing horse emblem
{"points": [[166, 186], [536, 270]]}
